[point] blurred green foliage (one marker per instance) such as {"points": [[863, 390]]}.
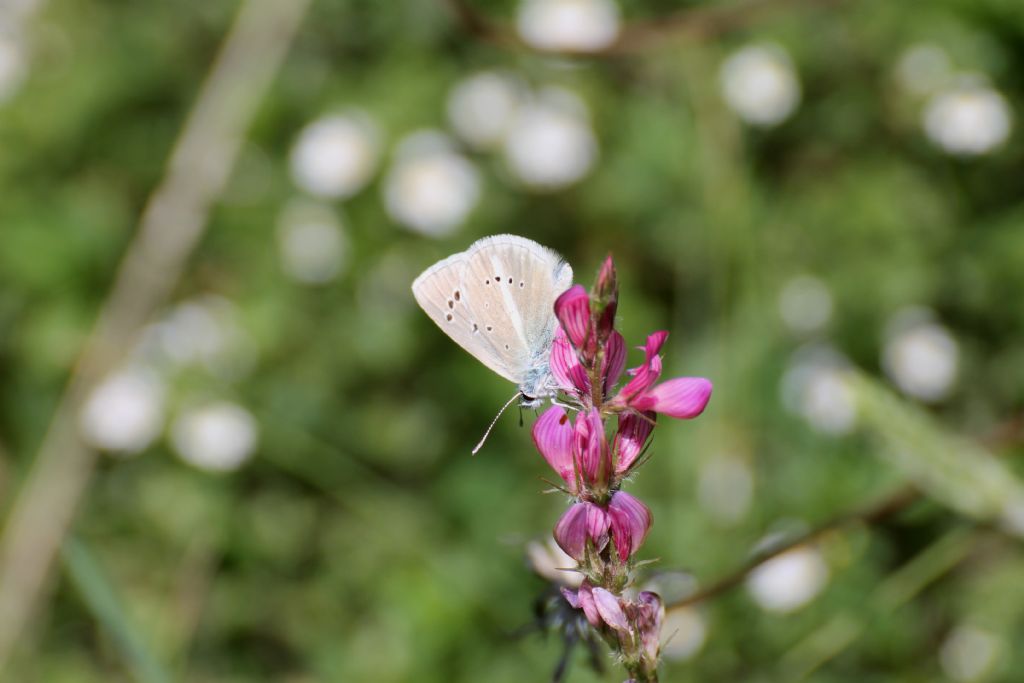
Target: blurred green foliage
{"points": [[362, 543]]}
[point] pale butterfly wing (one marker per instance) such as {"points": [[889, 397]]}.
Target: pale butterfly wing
{"points": [[496, 300]]}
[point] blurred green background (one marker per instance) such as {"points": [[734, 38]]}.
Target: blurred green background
{"points": [[793, 190]]}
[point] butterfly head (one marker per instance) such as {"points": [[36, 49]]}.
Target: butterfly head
{"points": [[537, 386]]}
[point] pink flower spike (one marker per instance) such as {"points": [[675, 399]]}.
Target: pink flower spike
{"points": [[614, 360], [634, 429], [610, 610], [565, 365], [593, 458], [552, 434], [631, 520], [587, 603], [572, 309], [682, 397]]}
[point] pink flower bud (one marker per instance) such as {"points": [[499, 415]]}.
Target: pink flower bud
{"points": [[582, 522], [605, 300], [630, 522], [650, 615]]}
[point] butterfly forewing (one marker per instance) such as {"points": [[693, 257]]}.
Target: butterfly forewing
{"points": [[495, 300], [440, 292]]}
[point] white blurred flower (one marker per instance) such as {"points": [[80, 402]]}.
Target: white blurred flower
{"points": [[125, 412], [968, 118], [430, 188], [969, 652], [550, 562], [481, 107], [1012, 516], [923, 68], [683, 633], [805, 304], [13, 65], [204, 331], [311, 243], [551, 144], [789, 581], [920, 356], [815, 388], [335, 156], [725, 486], [760, 84], [218, 436], [569, 25]]}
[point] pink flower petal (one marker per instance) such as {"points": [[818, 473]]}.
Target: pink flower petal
{"points": [[644, 375], [631, 520], [552, 434], [655, 340], [571, 531], [634, 429], [610, 610], [565, 365], [572, 597], [682, 397], [572, 308], [590, 448], [587, 603], [614, 360], [598, 524], [651, 615]]}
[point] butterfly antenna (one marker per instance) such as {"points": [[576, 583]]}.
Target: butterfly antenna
{"points": [[495, 421]]}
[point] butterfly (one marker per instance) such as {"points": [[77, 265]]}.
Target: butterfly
{"points": [[496, 300]]}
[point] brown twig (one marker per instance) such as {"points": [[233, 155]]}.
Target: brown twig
{"points": [[697, 23], [872, 514], [1006, 434]]}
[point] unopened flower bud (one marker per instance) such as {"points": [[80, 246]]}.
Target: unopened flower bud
{"points": [[605, 300]]}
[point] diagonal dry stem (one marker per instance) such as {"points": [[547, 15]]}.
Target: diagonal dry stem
{"points": [[170, 227]]}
